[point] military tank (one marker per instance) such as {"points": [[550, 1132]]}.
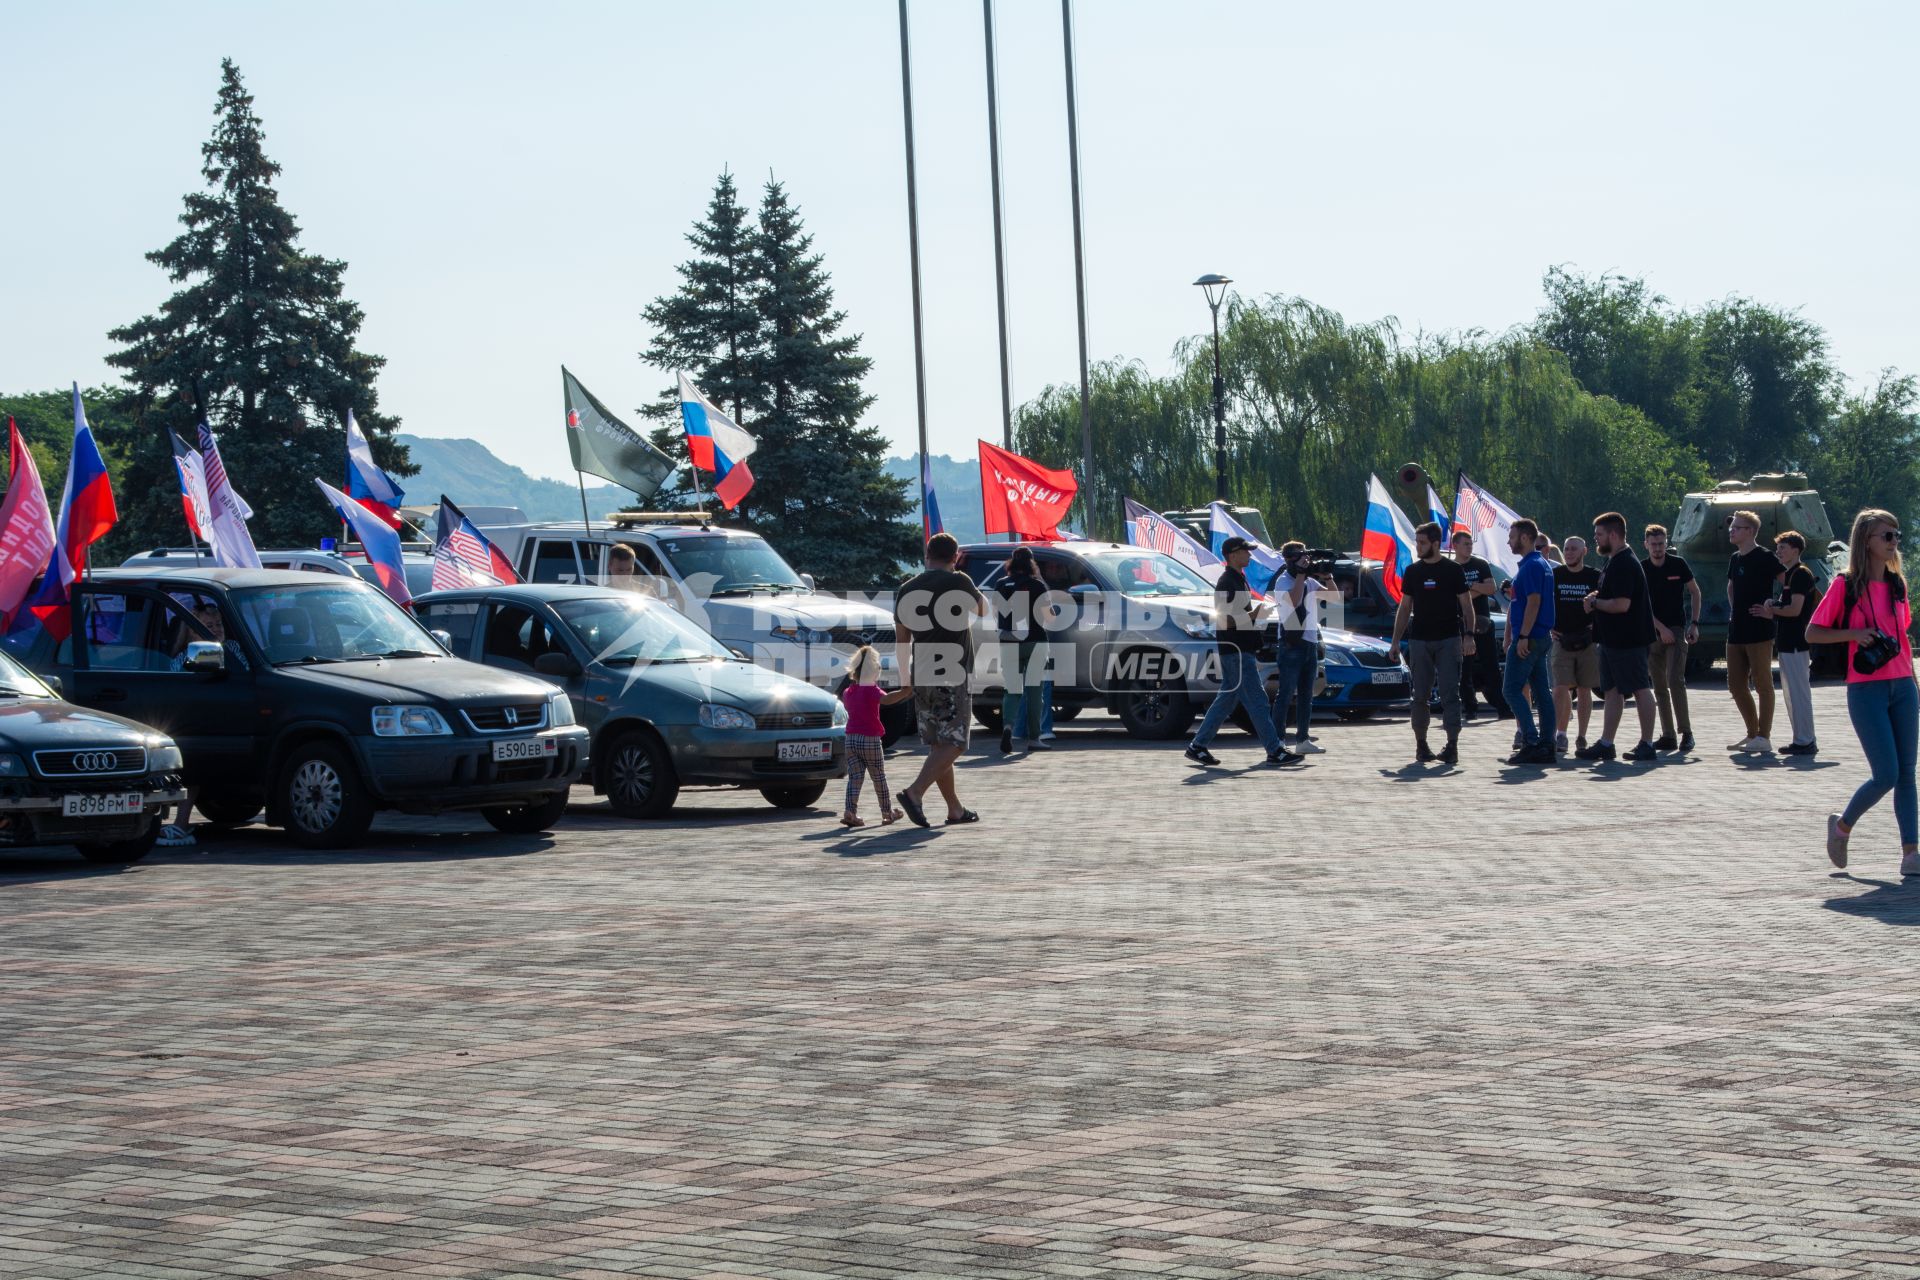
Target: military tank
{"points": [[1783, 501]]}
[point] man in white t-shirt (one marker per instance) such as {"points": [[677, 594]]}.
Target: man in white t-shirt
{"points": [[1294, 600]]}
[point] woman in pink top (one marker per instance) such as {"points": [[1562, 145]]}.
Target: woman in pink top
{"points": [[1867, 608]]}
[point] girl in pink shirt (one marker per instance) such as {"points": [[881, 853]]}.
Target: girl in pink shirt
{"points": [[866, 750], [1867, 609]]}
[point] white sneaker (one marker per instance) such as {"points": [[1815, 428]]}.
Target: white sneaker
{"points": [[1758, 747], [1308, 747], [1745, 744], [1836, 842], [1560, 743]]}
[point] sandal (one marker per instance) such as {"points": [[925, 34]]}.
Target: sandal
{"points": [[966, 815], [915, 814], [890, 817], [852, 820]]}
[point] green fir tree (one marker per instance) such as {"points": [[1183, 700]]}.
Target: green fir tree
{"points": [[261, 334]]}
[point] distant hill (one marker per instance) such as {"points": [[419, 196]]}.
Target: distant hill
{"points": [[467, 472], [956, 486]]}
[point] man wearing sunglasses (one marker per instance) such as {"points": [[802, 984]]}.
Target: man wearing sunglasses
{"points": [[1751, 572]]}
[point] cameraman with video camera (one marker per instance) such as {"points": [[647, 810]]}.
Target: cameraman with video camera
{"points": [[1305, 574]]}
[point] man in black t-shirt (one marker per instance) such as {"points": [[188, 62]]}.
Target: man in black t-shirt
{"points": [[1436, 619], [1236, 630], [1674, 594], [1789, 616], [1481, 673], [933, 633], [1623, 628], [1576, 663], [1751, 573]]}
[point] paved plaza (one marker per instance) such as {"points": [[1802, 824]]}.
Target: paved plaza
{"points": [[1364, 1018]]}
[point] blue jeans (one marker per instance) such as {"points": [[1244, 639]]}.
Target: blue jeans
{"points": [[1295, 665], [1239, 686], [1530, 672], [1886, 717]]}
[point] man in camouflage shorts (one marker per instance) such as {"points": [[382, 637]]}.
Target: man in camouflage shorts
{"points": [[933, 630]]}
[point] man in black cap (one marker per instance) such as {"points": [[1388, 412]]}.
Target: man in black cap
{"points": [[1237, 637]]}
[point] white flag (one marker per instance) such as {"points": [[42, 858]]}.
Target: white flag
{"points": [[1489, 520]]}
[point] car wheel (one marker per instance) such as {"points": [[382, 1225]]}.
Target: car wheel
{"points": [[794, 797], [528, 819], [987, 712], [227, 808], [123, 851], [1155, 710], [639, 777], [325, 804]]}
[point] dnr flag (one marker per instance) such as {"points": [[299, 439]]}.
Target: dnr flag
{"points": [[716, 443], [604, 446]]}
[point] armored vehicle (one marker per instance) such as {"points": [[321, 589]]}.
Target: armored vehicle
{"points": [[1782, 501]]}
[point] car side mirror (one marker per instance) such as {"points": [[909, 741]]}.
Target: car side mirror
{"points": [[53, 683], [808, 579], [445, 639], [561, 666], [205, 655]]}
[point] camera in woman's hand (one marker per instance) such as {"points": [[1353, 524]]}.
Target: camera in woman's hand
{"points": [[1875, 653]]}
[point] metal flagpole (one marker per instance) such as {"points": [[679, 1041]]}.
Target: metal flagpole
{"points": [[913, 256], [1079, 264], [999, 242], [586, 521]]}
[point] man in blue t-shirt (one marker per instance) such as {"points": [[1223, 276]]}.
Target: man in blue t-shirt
{"points": [[1529, 620]]}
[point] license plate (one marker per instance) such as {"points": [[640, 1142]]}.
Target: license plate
{"points": [[526, 749], [1389, 677], [114, 806], [819, 749]]}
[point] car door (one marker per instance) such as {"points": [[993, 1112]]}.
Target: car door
{"points": [[1085, 624], [129, 653], [514, 635]]}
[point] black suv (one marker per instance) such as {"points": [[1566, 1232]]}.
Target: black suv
{"points": [[315, 697]]}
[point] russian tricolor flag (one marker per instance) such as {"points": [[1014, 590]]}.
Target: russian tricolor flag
{"points": [[382, 543], [86, 513], [929, 505], [716, 444], [367, 484], [1387, 537]]}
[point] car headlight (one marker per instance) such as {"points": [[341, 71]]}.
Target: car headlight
{"points": [[12, 766], [163, 757], [560, 711], [788, 631], [839, 713], [1341, 658], [715, 716], [408, 722], [1198, 629]]}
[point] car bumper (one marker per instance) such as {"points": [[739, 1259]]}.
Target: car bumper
{"points": [[429, 775], [36, 819], [1355, 687], [735, 757]]}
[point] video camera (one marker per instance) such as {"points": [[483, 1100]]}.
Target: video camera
{"points": [[1315, 562]]}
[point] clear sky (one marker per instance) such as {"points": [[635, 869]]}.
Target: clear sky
{"points": [[511, 183]]}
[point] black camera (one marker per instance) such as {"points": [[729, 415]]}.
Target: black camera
{"points": [[1315, 562], [1875, 653]]}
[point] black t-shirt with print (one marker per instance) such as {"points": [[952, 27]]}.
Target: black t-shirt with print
{"points": [[1624, 579], [1751, 576], [1477, 571], [1435, 590], [1790, 634], [1570, 587], [1234, 626], [1667, 589]]}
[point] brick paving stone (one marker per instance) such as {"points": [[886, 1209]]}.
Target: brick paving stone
{"points": [[1358, 1019]]}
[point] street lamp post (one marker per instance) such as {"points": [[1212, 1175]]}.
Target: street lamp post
{"points": [[1215, 287]]}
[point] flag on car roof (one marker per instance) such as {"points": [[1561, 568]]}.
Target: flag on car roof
{"points": [[929, 505], [716, 443], [1148, 528], [381, 542], [230, 542], [1387, 537], [1222, 526], [26, 526], [87, 512], [462, 556], [192, 471], [367, 484], [604, 446]]}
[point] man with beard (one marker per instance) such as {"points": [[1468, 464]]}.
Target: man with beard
{"points": [[1623, 626], [1436, 619]]}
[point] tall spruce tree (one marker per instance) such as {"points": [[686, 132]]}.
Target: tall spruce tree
{"points": [[754, 324], [262, 335], [709, 327]]}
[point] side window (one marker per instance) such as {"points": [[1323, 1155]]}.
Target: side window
{"points": [[515, 637], [455, 617], [118, 631], [592, 559], [179, 620], [1061, 574], [554, 561], [645, 561]]}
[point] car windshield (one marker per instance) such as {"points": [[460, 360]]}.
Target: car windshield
{"points": [[626, 630], [17, 682], [719, 565], [1152, 573], [333, 620]]}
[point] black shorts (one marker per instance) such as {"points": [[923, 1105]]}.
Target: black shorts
{"points": [[1624, 670]]}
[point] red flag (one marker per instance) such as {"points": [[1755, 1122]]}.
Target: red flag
{"points": [[1018, 495], [26, 526]]}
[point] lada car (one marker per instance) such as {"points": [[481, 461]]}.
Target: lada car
{"points": [[315, 697], [70, 775], [668, 706]]}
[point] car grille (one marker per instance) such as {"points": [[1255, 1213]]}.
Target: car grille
{"points": [[794, 720], [92, 762], [879, 636], [515, 717], [1374, 658]]}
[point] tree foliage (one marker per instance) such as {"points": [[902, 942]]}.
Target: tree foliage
{"points": [[1869, 453], [753, 323], [45, 419], [261, 333]]}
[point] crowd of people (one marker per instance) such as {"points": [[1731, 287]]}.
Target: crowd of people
{"points": [[1620, 628]]}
